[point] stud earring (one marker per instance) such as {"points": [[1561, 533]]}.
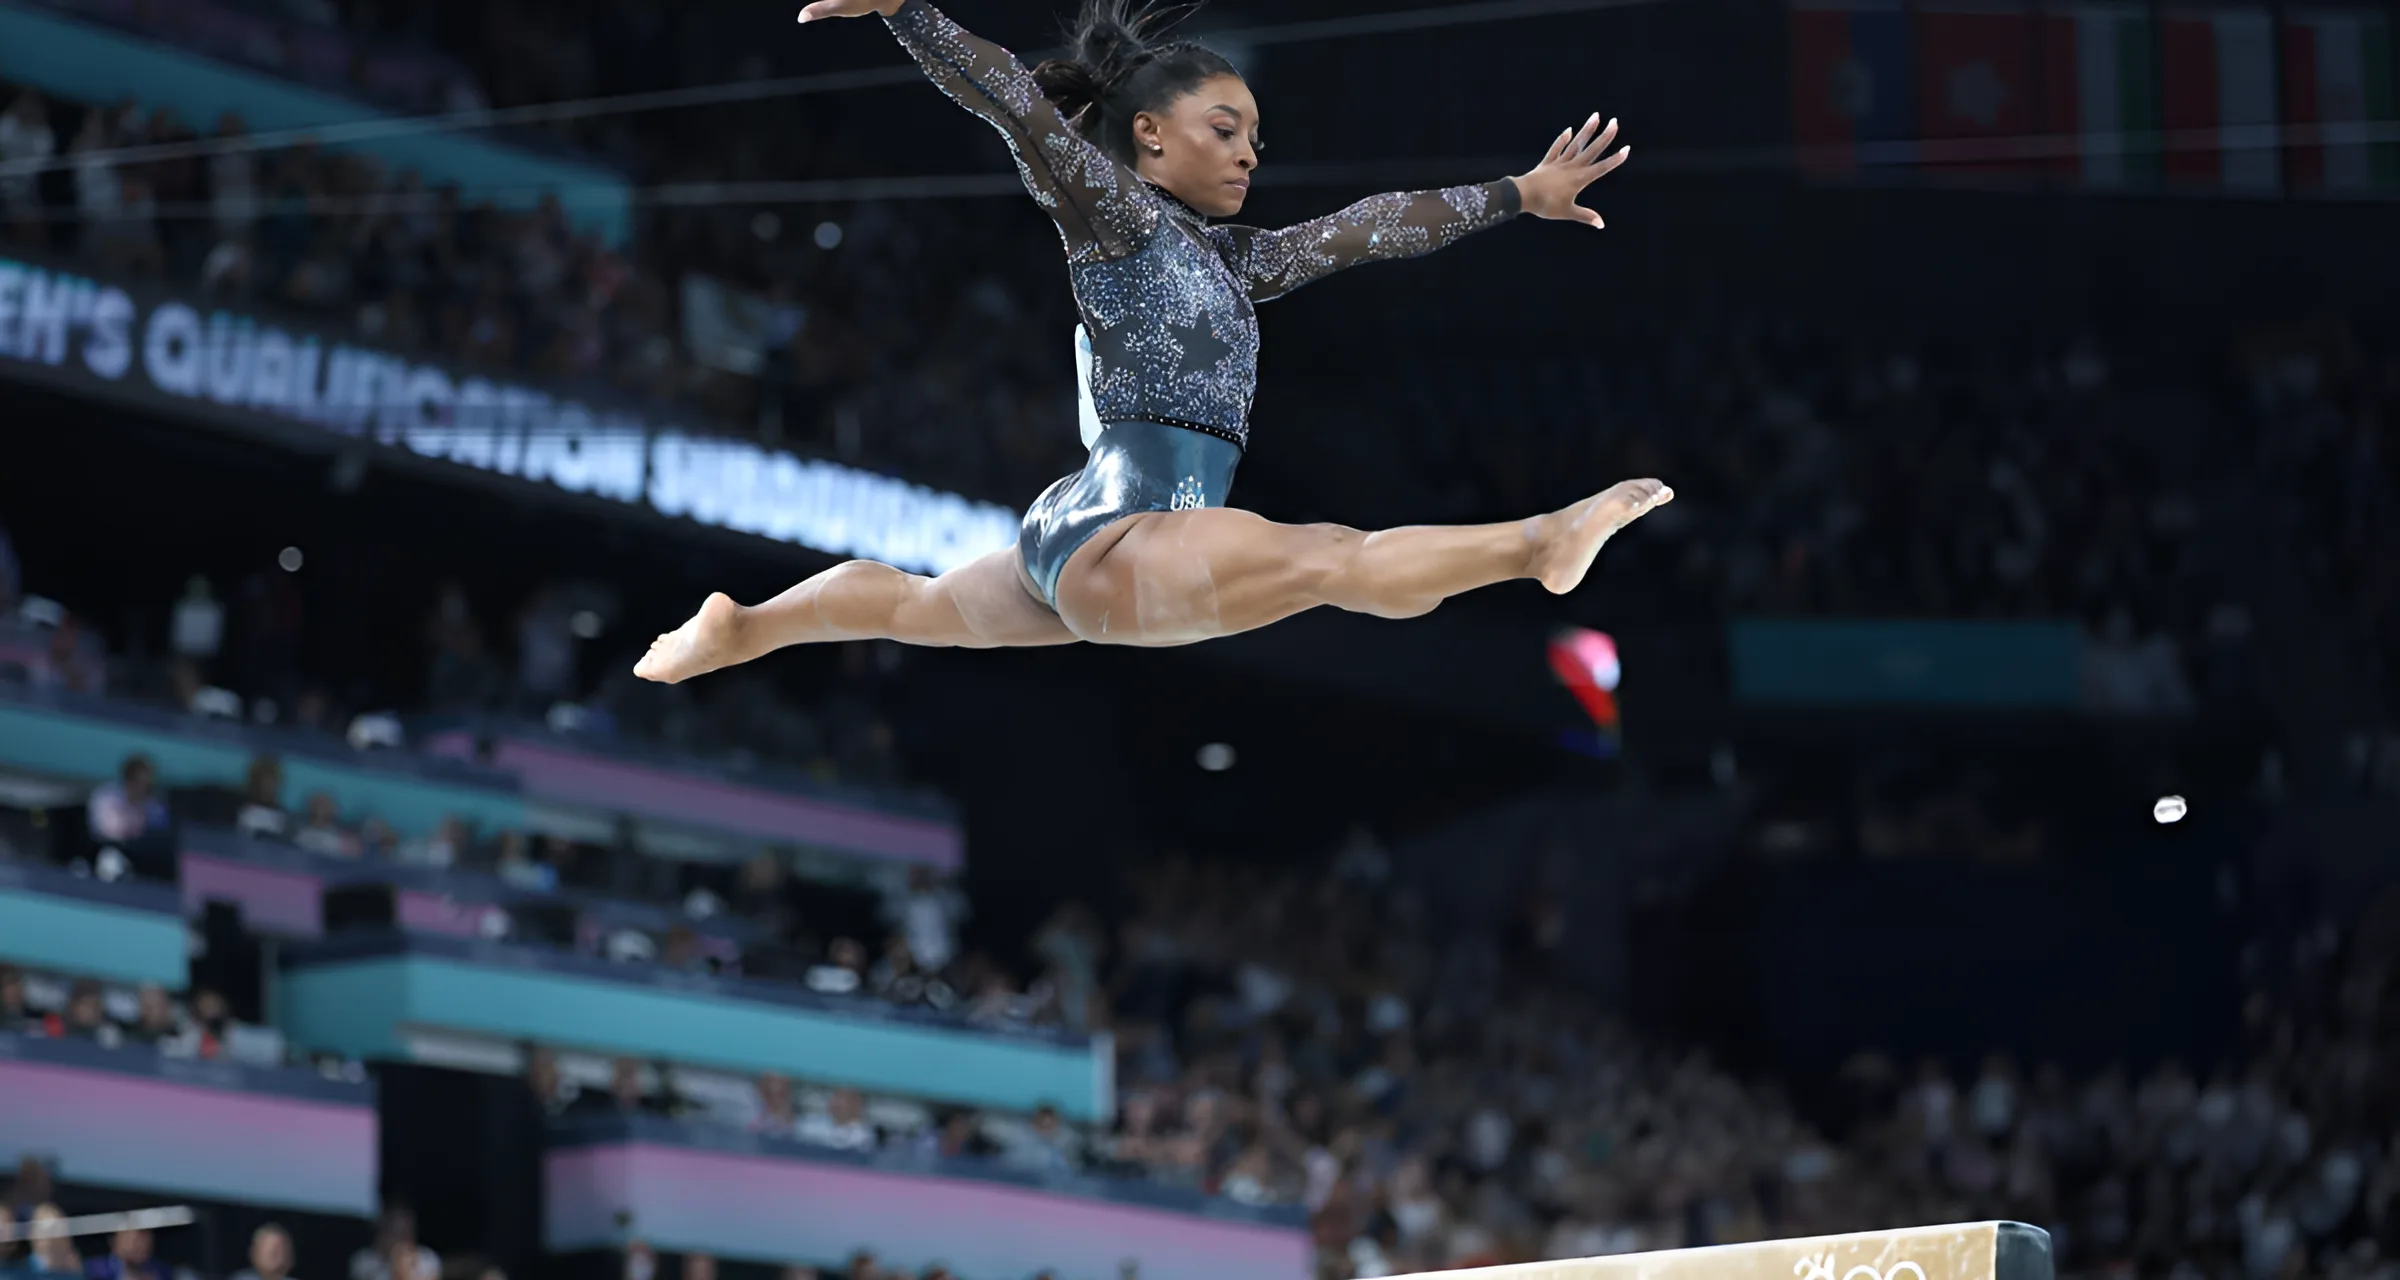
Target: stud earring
{"points": [[1157, 150]]}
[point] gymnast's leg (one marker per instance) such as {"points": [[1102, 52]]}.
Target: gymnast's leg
{"points": [[980, 605], [1176, 577]]}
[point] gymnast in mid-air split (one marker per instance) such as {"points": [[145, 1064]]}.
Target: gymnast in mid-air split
{"points": [[1136, 146]]}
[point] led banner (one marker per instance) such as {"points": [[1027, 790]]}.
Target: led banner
{"points": [[1899, 662], [124, 931], [154, 349], [361, 994], [140, 1121], [686, 1186]]}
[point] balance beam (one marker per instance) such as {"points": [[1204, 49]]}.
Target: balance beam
{"points": [[1971, 1251]]}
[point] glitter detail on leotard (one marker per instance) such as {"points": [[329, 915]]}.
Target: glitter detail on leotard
{"points": [[1169, 299]]}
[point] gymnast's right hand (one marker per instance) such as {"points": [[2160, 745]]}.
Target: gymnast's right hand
{"points": [[848, 9]]}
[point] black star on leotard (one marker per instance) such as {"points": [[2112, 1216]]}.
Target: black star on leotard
{"points": [[1202, 349]]}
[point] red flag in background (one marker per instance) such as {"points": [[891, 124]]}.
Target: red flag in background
{"points": [[1975, 81], [1851, 86]]}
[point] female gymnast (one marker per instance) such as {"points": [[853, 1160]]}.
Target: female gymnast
{"points": [[1135, 147]]}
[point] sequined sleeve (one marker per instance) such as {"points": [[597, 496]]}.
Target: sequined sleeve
{"points": [[1099, 207], [1376, 229]]}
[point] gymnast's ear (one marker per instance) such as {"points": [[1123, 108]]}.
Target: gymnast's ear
{"points": [[1149, 133]]}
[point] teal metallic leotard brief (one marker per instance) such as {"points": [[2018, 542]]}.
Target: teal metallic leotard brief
{"points": [[1135, 466]]}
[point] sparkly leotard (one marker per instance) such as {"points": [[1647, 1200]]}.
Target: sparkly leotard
{"points": [[1167, 297]]}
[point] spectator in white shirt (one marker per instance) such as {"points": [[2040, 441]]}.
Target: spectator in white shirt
{"points": [[843, 1126], [126, 811], [199, 627], [441, 849], [927, 914], [844, 971], [323, 832], [262, 800]]}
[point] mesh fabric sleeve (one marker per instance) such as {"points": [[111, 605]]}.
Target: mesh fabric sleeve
{"points": [[1099, 207], [1377, 229]]}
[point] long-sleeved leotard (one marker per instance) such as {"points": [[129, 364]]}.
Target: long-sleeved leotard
{"points": [[1169, 299]]}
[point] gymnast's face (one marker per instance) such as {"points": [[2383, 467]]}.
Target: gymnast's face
{"points": [[1202, 146]]}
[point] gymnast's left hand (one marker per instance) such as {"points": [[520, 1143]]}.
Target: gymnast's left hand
{"points": [[824, 9], [1576, 160]]}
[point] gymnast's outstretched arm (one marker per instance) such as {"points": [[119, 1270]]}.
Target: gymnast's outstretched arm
{"points": [[1409, 224], [1098, 205]]}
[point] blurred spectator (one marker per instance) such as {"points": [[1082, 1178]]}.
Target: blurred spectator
{"points": [[270, 1254], [262, 812], [99, 192], [1070, 943], [377, 839], [681, 951], [85, 1018], [545, 651], [2131, 674], [898, 978], [52, 1255], [555, 1093], [628, 1095], [322, 833], [777, 1114], [927, 914], [844, 971], [959, 1136], [198, 630], [25, 138], [128, 1259], [14, 1016], [699, 1266], [211, 1022], [441, 848], [995, 1001], [518, 867], [842, 1126], [12, 575], [459, 675], [156, 1024], [73, 661], [233, 184], [575, 865], [30, 1188], [1046, 1145], [396, 1255], [128, 811]]}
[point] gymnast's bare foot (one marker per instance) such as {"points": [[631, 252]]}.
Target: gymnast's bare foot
{"points": [[1571, 538], [712, 639]]}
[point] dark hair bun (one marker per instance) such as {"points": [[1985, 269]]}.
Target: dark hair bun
{"points": [[1070, 86], [1120, 66]]}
